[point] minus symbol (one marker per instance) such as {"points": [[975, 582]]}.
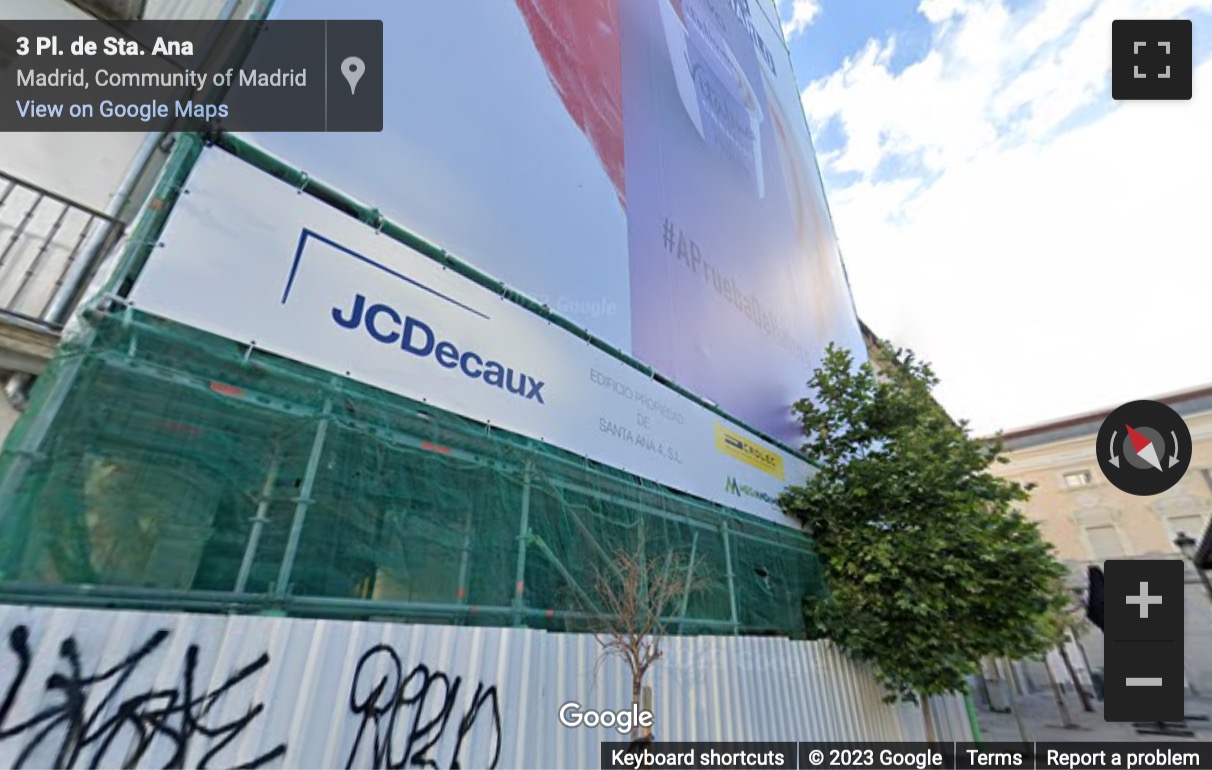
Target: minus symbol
{"points": [[1143, 681]]}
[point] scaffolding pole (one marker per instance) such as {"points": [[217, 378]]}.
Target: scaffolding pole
{"points": [[732, 614], [226, 602], [302, 503], [405, 439], [523, 538], [694, 550], [258, 523], [464, 559], [590, 604], [575, 518], [642, 555]]}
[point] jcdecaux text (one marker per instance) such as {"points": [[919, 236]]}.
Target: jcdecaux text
{"points": [[387, 325]]}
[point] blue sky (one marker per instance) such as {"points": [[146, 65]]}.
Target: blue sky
{"points": [[840, 29], [998, 212]]}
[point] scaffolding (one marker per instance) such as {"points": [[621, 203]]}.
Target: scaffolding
{"points": [[159, 466]]}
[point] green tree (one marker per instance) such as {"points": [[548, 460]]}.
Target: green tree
{"points": [[930, 567]]}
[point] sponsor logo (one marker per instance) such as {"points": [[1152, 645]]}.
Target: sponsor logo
{"points": [[744, 490], [387, 325], [735, 445]]}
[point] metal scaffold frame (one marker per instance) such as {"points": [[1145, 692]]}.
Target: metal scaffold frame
{"points": [[26, 447]]}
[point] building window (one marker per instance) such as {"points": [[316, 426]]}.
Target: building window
{"points": [[1104, 542], [1078, 479], [1192, 524]]}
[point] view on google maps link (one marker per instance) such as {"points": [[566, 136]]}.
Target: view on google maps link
{"points": [[605, 384]]}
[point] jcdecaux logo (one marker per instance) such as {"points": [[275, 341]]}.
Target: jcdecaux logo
{"points": [[385, 324], [414, 336]]}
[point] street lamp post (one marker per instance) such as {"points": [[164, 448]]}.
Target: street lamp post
{"points": [[1187, 544]]}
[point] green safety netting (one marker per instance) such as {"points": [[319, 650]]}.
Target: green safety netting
{"points": [[161, 466]]}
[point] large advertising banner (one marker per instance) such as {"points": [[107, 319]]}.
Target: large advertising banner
{"points": [[642, 167], [315, 285], [734, 286]]}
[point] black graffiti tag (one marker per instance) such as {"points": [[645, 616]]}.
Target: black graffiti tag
{"points": [[94, 711], [430, 698]]}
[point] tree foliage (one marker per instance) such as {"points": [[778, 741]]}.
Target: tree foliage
{"points": [[930, 567], [1066, 617]]}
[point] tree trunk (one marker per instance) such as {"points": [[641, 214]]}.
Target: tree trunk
{"points": [[1015, 679], [1082, 695], [1081, 648], [1013, 703], [637, 687], [996, 706], [983, 684], [1027, 678], [646, 705], [928, 717], [641, 700], [1066, 720]]}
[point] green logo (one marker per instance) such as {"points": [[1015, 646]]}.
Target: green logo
{"points": [[732, 487]]}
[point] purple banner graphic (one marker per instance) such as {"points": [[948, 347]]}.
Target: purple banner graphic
{"points": [[730, 294]]}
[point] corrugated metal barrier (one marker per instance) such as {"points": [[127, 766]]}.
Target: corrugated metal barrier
{"points": [[96, 688]]}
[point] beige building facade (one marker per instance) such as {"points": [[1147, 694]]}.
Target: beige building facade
{"points": [[1089, 521]]}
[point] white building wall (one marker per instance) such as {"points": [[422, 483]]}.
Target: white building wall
{"points": [[313, 693], [86, 167], [8, 418]]}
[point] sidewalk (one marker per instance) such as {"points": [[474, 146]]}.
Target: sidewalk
{"points": [[1043, 722]]}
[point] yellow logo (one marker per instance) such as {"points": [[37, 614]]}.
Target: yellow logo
{"points": [[735, 445]]}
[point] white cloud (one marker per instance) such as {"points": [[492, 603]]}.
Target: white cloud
{"points": [[940, 10], [797, 15], [1044, 272]]}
